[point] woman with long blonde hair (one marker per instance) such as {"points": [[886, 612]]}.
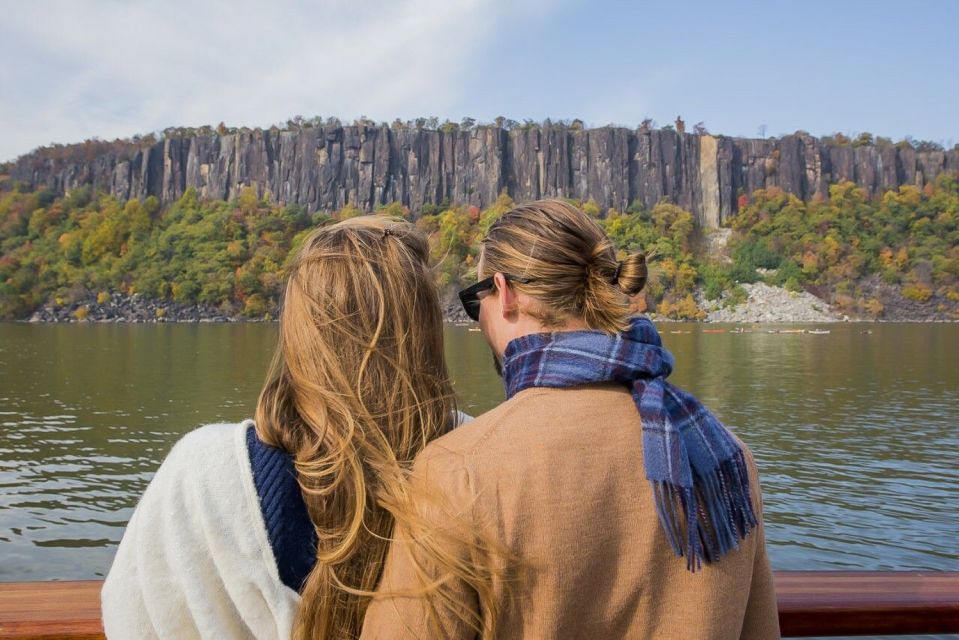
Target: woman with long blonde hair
{"points": [[280, 526]]}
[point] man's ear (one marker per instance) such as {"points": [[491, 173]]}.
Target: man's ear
{"points": [[506, 294]]}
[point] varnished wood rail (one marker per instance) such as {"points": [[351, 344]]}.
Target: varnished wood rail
{"points": [[857, 603], [50, 610], [811, 603]]}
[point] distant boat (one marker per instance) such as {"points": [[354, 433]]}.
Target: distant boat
{"points": [[714, 331], [793, 331], [473, 329], [819, 332]]}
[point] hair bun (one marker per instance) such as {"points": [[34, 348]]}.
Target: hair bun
{"points": [[631, 274]]}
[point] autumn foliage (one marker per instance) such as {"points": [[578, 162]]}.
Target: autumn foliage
{"points": [[232, 254]]}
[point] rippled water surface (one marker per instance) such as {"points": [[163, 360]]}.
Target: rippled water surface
{"points": [[855, 432]]}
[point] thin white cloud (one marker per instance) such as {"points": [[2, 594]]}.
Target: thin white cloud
{"points": [[109, 69]]}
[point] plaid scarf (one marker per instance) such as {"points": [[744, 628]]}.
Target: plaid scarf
{"points": [[698, 471]]}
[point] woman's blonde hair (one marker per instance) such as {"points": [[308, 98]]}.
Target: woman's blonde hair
{"points": [[570, 262], [358, 386]]}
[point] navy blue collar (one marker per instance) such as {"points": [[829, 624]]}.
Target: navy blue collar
{"points": [[288, 526]]}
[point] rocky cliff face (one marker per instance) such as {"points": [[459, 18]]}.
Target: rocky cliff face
{"points": [[328, 167]]}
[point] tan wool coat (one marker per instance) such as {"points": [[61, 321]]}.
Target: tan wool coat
{"points": [[557, 476]]}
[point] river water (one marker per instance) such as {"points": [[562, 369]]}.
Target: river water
{"points": [[855, 432]]}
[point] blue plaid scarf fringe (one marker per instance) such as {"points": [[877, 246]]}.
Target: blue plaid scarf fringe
{"points": [[697, 469]]}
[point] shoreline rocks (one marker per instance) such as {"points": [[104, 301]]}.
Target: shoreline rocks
{"points": [[134, 309], [771, 304], [764, 304]]}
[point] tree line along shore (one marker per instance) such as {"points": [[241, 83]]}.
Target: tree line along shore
{"points": [[89, 256]]}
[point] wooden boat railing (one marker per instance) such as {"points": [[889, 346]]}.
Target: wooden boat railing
{"points": [[811, 603]]}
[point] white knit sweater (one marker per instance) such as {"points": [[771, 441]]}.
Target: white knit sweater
{"points": [[195, 561]]}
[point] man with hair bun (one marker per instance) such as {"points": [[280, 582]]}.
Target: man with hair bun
{"points": [[605, 502]]}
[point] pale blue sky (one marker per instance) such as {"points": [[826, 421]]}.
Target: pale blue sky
{"points": [[74, 69]]}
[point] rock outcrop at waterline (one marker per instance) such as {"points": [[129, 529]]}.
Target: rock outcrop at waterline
{"points": [[134, 308], [326, 167], [120, 307], [772, 304], [764, 304]]}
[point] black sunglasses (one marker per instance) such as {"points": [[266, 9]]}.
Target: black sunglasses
{"points": [[470, 295]]}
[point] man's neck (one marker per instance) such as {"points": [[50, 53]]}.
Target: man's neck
{"points": [[528, 325]]}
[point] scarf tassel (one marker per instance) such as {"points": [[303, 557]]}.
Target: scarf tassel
{"points": [[705, 521]]}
